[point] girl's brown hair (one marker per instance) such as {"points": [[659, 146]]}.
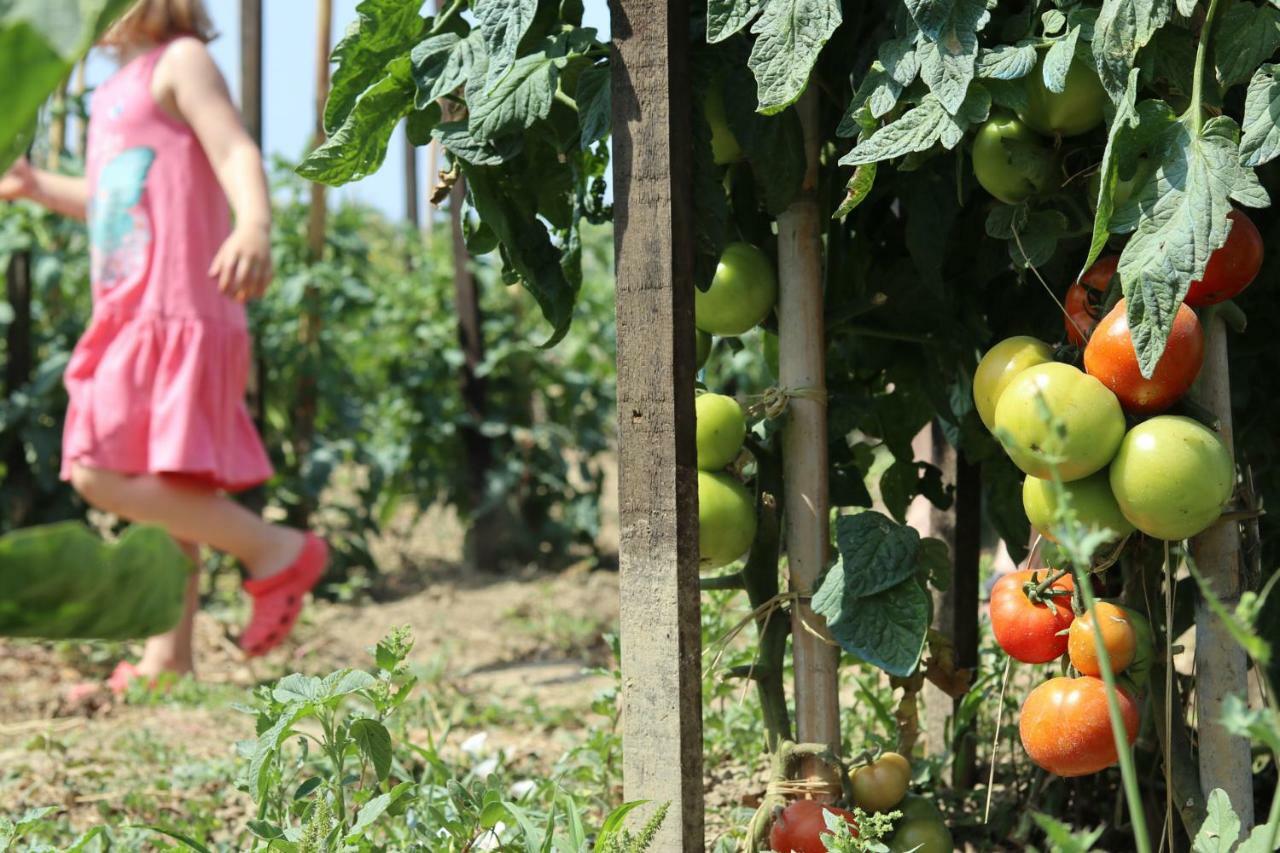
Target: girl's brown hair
{"points": [[160, 20]]}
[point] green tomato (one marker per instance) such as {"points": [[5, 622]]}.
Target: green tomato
{"points": [[742, 293], [1075, 110], [1090, 415], [724, 145], [1172, 477], [703, 350], [1002, 362], [1091, 498], [920, 829], [726, 520], [1001, 171], [721, 428]]}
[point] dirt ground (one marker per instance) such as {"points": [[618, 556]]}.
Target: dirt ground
{"points": [[495, 642]]}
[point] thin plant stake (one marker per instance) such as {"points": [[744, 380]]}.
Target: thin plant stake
{"points": [[995, 742], [1168, 691]]}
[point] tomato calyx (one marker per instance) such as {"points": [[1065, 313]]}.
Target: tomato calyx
{"points": [[1042, 591]]}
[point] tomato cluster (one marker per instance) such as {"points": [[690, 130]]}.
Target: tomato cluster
{"points": [[741, 296]]}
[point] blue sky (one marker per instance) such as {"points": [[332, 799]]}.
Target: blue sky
{"points": [[289, 84]]}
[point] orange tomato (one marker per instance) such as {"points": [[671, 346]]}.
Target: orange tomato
{"points": [[1066, 729], [1119, 638]]}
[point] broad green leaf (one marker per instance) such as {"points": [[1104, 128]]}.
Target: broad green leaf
{"points": [[789, 36], [935, 563], [1118, 142], [1221, 827], [1057, 62], [297, 687], [1261, 142], [40, 41], [1259, 841], [521, 97], [920, 128], [860, 184], [443, 63], [357, 149], [727, 17], [382, 31], [1258, 724], [421, 122], [185, 840], [368, 816], [875, 552], [1062, 839], [899, 60], [1054, 22], [374, 742], [1185, 220], [344, 682], [594, 104], [930, 16], [1007, 61], [526, 245], [887, 629], [1123, 28], [502, 24], [1245, 36], [457, 139], [948, 62], [63, 582], [1187, 8]]}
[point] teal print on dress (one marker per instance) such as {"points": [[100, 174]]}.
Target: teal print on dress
{"points": [[119, 189]]}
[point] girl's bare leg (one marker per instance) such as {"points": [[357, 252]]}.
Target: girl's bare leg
{"points": [[192, 513], [174, 651]]}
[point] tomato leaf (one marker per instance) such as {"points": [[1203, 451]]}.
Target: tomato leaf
{"points": [[789, 36], [502, 24], [1123, 28], [63, 582], [458, 140], [595, 105], [1062, 839], [357, 149], [948, 59], [1119, 143], [1221, 826], [1185, 211], [1244, 37], [1057, 62], [1007, 61], [900, 60], [1261, 143], [876, 553], [930, 16], [887, 629], [442, 64], [383, 30], [920, 128], [521, 97], [727, 17], [773, 144]]}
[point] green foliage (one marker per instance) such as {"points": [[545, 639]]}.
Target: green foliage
{"points": [[62, 581]]}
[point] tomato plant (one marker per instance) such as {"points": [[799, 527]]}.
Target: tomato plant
{"points": [[1084, 299], [1232, 267], [881, 785], [800, 826], [1065, 728], [1031, 631], [1111, 357]]}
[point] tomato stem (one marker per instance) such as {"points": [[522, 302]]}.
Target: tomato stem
{"points": [[1038, 592], [1196, 109]]}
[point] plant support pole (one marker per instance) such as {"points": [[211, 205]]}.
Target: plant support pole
{"points": [[1225, 759], [801, 355], [657, 460]]}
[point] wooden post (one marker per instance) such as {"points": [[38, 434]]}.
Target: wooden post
{"points": [[1225, 759], [931, 446], [251, 68], [965, 582], [801, 365], [17, 372], [657, 480], [316, 221], [58, 126]]}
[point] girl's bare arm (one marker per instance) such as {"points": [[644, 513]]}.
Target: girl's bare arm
{"points": [[63, 194], [188, 83]]}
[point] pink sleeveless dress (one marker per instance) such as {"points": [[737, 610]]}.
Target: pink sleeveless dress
{"points": [[157, 382]]}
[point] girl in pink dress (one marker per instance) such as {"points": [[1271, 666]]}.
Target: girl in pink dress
{"points": [[157, 430]]}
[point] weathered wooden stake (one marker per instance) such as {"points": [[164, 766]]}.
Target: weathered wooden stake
{"points": [[1225, 759], [410, 181], [801, 365], [316, 221], [251, 115], [657, 480]]}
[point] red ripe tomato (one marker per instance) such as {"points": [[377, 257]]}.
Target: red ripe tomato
{"points": [[800, 827], [1232, 268], [1084, 299], [1031, 633], [1066, 729], [1111, 358]]}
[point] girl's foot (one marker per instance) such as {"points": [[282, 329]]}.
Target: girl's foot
{"points": [[277, 600]]}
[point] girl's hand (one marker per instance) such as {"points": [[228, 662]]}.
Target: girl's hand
{"points": [[18, 182], [243, 264]]}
